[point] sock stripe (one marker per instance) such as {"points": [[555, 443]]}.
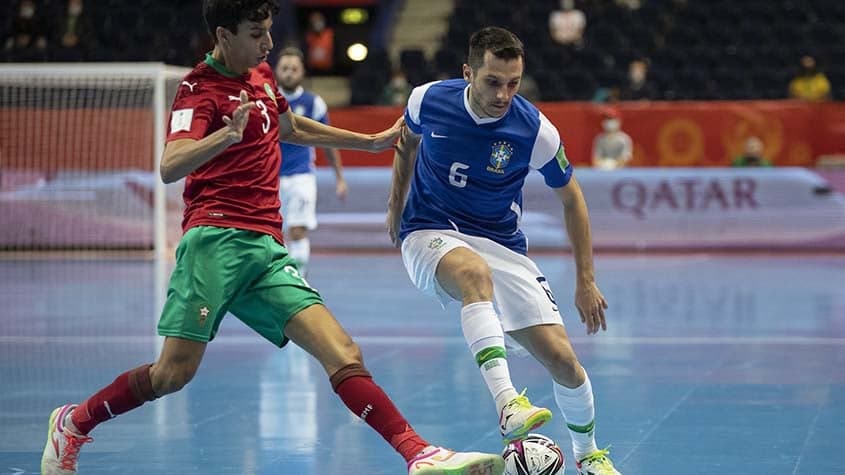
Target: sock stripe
{"points": [[489, 353], [582, 429]]}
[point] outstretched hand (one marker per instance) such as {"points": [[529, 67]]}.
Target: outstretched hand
{"points": [[237, 123], [387, 138], [591, 305]]}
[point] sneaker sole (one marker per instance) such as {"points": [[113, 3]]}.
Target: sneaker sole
{"points": [[49, 445], [532, 423], [488, 465]]}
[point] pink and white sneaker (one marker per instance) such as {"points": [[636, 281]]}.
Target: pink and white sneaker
{"points": [[62, 449], [440, 461]]}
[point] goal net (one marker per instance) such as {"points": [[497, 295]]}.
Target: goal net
{"points": [[79, 151]]}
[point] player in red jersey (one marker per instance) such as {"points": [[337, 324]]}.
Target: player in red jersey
{"points": [[223, 132]]}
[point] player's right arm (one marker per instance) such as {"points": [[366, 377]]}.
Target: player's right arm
{"points": [[403, 167], [403, 161], [183, 156]]}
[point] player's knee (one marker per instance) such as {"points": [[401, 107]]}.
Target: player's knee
{"points": [[475, 277], [563, 365], [297, 233], [169, 378], [344, 352], [352, 353]]}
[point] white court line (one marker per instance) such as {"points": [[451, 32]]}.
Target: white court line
{"points": [[456, 340]]}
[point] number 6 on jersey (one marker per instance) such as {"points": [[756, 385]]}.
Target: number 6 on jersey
{"points": [[456, 178]]}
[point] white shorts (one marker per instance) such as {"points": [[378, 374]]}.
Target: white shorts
{"points": [[298, 194], [520, 291]]}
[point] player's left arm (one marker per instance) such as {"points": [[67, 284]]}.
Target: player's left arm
{"points": [[557, 172], [333, 157], [588, 298], [320, 113], [300, 130]]}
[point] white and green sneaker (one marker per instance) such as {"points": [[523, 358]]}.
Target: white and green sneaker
{"points": [[519, 417], [596, 463]]}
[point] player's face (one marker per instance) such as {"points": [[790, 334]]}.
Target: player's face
{"points": [[290, 72], [493, 85], [249, 47]]}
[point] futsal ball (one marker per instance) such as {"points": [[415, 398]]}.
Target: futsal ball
{"points": [[534, 455]]}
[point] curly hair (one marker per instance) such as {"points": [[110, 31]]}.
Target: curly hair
{"points": [[230, 13]]}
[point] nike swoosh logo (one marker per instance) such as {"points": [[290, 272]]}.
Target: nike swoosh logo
{"points": [[234, 98], [438, 136], [505, 422]]}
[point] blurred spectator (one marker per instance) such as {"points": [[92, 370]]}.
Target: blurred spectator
{"points": [[638, 87], [396, 91], [629, 4], [567, 24], [752, 156], [319, 39], [612, 148], [28, 39], [607, 94], [810, 84], [73, 33]]}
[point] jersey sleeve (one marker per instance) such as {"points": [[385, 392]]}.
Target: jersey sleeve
{"points": [[549, 157], [320, 111], [412, 111], [192, 113]]}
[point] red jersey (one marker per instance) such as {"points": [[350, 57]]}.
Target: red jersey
{"points": [[239, 188]]}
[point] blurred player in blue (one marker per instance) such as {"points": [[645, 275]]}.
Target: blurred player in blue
{"points": [[298, 183], [467, 148]]}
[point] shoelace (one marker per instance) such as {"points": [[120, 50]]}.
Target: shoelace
{"points": [[599, 456], [71, 452], [521, 400]]}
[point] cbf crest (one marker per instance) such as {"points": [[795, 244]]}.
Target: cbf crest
{"points": [[500, 156]]}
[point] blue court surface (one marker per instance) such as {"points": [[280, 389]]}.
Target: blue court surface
{"points": [[712, 364]]}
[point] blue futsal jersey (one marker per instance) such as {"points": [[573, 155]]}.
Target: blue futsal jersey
{"points": [[299, 158], [470, 171]]}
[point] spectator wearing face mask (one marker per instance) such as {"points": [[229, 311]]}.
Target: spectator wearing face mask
{"points": [[752, 155], [639, 86], [73, 33], [320, 41], [28, 41], [612, 148], [566, 25], [810, 84]]}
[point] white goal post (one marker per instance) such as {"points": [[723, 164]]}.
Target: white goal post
{"points": [[80, 145]]}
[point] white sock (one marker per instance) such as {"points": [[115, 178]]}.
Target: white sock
{"points": [[580, 414], [300, 251], [486, 339]]}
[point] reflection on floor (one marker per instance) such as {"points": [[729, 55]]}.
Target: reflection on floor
{"points": [[711, 364]]}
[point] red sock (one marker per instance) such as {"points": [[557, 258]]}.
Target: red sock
{"points": [[126, 392], [366, 399]]}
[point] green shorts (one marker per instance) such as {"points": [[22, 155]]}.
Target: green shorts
{"points": [[221, 270]]}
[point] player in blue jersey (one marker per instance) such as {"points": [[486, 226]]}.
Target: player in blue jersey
{"points": [[297, 182], [467, 148]]}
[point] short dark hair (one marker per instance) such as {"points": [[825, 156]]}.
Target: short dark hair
{"points": [[230, 13], [291, 51], [499, 41]]}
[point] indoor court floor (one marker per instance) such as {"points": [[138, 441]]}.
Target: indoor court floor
{"points": [[711, 364]]}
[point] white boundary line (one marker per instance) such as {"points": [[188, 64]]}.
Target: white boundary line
{"points": [[434, 340]]}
